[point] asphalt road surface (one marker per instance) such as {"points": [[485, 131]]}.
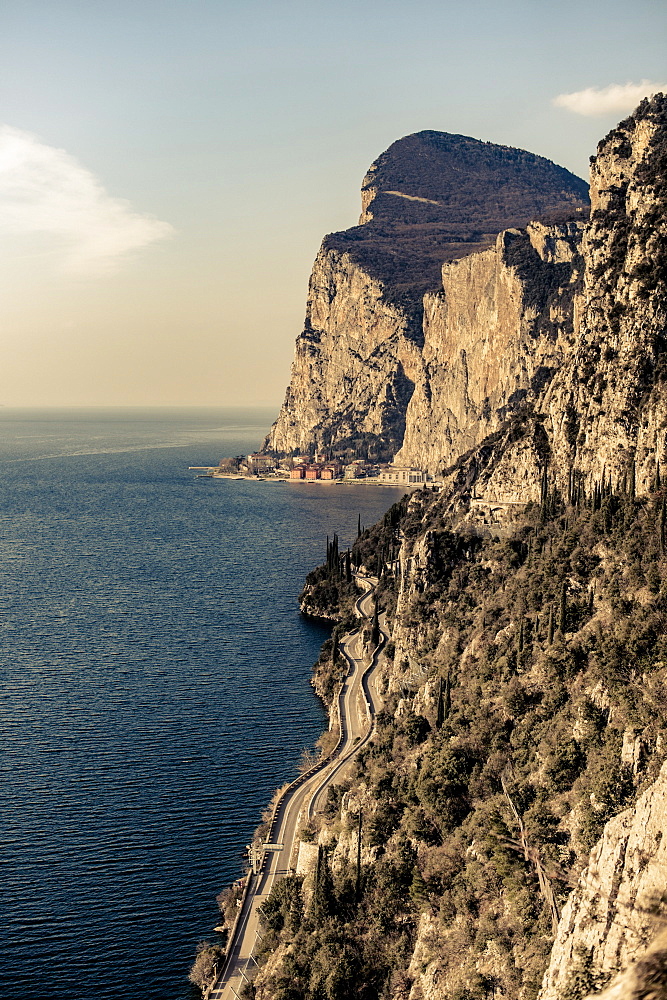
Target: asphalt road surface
{"points": [[358, 704]]}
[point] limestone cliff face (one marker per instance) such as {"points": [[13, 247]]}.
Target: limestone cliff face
{"points": [[355, 364], [615, 911], [604, 413], [563, 320], [608, 407], [493, 338], [376, 298]]}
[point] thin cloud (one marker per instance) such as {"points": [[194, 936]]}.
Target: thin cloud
{"points": [[44, 191], [616, 98]]}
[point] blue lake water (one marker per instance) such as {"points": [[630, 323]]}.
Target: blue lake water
{"points": [[155, 686]]}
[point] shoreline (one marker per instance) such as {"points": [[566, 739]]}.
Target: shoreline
{"points": [[371, 481]]}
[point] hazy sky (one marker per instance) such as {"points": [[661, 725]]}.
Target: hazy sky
{"points": [[168, 168]]}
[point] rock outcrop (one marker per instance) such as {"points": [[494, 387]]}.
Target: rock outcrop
{"points": [[494, 337], [617, 908], [371, 336], [608, 407], [603, 415]]}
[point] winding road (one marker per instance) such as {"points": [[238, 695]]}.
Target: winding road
{"points": [[358, 703]]}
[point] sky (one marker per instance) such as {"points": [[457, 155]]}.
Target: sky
{"points": [[168, 168]]}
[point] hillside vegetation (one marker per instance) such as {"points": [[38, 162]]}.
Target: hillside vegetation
{"points": [[538, 714]]}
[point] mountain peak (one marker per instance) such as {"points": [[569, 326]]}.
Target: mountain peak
{"points": [[437, 196]]}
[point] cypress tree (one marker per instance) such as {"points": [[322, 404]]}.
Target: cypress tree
{"points": [[375, 628], [440, 713], [544, 487], [551, 625], [348, 566], [418, 890], [633, 481], [357, 886], [323, 893], [359, 526], [562, 618], [444, 700]]}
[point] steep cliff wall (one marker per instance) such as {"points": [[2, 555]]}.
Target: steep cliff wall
{"points": [[430, 198], [493, 338], [604, 412], [355, 365], [608, 406], [617, 908]]}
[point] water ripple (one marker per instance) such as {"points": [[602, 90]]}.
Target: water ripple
{"points": [[154, 686]]}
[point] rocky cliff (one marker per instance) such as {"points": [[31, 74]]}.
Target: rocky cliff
{"points": [[617, 908], [374, 317], [514, 795], [494, 336], [603, 413], [503, 834]]}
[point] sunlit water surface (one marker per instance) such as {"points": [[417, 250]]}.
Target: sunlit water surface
{"points": [[154, 684]]}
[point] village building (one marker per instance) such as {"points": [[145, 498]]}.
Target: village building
{"points": [[258, 462], [298, 472], [331, 471], [355, 470], [402, 476]]}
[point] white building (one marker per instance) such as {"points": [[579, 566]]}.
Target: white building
{"points": [[402, 476]]}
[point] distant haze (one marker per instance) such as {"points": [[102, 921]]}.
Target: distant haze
{"points": [[167, 171]]}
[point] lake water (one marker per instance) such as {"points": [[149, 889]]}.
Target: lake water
{"points": [[154, 684]]}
